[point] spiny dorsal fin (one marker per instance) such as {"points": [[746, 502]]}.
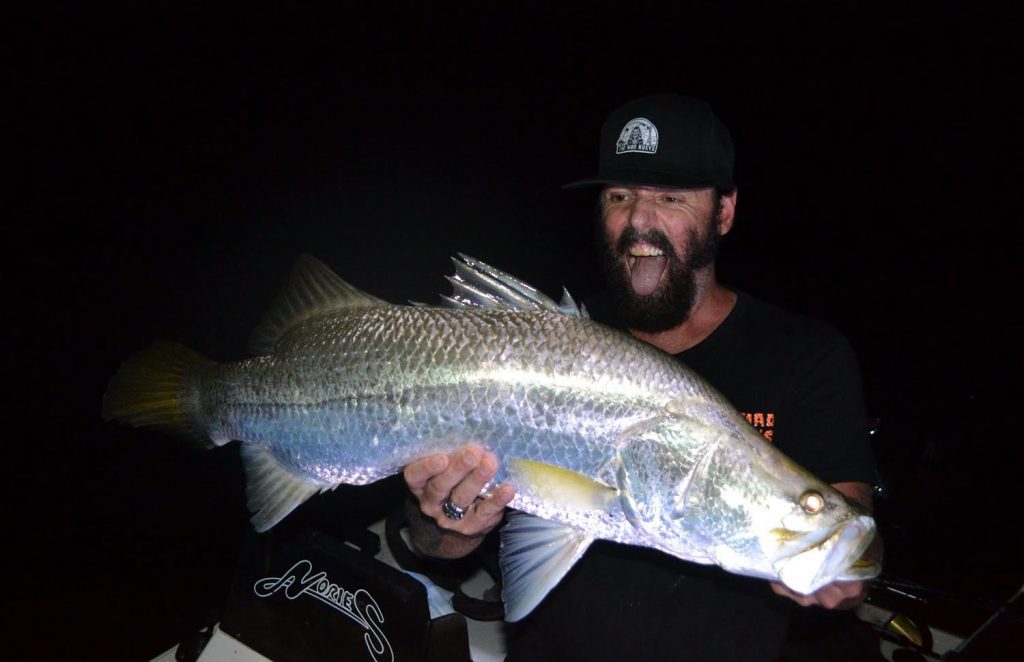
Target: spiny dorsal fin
{"points": [[477, 284], [312, 290]]}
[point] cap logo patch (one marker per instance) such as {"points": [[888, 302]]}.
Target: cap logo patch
{"points": [[639, 135]]}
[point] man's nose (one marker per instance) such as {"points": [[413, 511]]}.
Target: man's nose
{"points": [[641, 215]]}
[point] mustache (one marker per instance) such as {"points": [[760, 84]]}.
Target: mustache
{"points": [[655, 238]]}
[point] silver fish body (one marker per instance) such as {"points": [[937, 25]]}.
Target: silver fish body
{"points": [[354, 396], [603, 436]]}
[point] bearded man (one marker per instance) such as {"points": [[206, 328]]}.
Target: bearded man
{"points": [[667, 199]]}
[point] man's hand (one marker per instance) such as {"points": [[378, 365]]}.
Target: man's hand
{"points": [[838, 595], [462, 474]]}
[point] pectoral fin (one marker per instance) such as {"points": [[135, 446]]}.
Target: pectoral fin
{"points": [[535, 555], [540, 482]]}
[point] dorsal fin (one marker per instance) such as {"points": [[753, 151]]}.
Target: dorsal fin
{"points": [[312, 290], [477, 284]]}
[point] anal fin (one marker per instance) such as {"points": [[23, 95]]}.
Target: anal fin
{"points": [[271, 490]]}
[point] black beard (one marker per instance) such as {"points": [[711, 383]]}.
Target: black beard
{"points": [[670, 304]]}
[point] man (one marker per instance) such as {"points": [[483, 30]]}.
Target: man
{"points": [[667, 197]]}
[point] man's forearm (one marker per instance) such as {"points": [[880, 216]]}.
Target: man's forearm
{"points": [[431, 540]]}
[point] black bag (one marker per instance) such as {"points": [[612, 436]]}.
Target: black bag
{"points": [[450, 575], [316, 598]]}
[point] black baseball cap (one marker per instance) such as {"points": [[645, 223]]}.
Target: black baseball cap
{"points": [[664, 140]]}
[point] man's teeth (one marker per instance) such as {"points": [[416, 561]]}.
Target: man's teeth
{"points": [[645, 251], [642, 251]]}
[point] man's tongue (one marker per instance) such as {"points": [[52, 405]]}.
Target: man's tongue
{"points": [[646, 273]]}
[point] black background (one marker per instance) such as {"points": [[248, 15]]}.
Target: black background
{"points": [[177, 163]]}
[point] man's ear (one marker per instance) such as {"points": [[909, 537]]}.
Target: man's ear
{"points": [[727, 212]]}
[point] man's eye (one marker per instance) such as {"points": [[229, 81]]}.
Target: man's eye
{"points": [[670, 199], [616, 197]]}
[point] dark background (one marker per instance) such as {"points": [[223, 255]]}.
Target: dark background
{"points": [[177, 163]]}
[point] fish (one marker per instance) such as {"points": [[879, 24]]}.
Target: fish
{"points": [[604, 437]]}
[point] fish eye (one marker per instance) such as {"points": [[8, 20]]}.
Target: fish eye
{"points": [[812, 502]]}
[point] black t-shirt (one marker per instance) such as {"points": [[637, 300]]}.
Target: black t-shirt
{"points": [[797, 381]]}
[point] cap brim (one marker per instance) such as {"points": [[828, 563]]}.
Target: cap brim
{"points": [[643, 178]]}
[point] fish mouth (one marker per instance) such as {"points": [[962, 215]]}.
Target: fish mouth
{"points": [[828, 555]]}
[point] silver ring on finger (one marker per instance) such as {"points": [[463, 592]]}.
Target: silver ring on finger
{"points": [[451, 511]]}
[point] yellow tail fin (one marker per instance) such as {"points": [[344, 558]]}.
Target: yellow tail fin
{"points": [[151, 390]]}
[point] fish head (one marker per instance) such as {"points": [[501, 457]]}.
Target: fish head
{"points": [[733, 500]]}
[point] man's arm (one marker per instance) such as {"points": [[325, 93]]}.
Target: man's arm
{"points": [[463, 474], [841, 595]]}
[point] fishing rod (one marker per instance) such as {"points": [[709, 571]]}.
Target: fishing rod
{"points": [[921, 593]]}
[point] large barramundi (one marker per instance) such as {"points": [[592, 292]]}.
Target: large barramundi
{"points": [[603, 436]]}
